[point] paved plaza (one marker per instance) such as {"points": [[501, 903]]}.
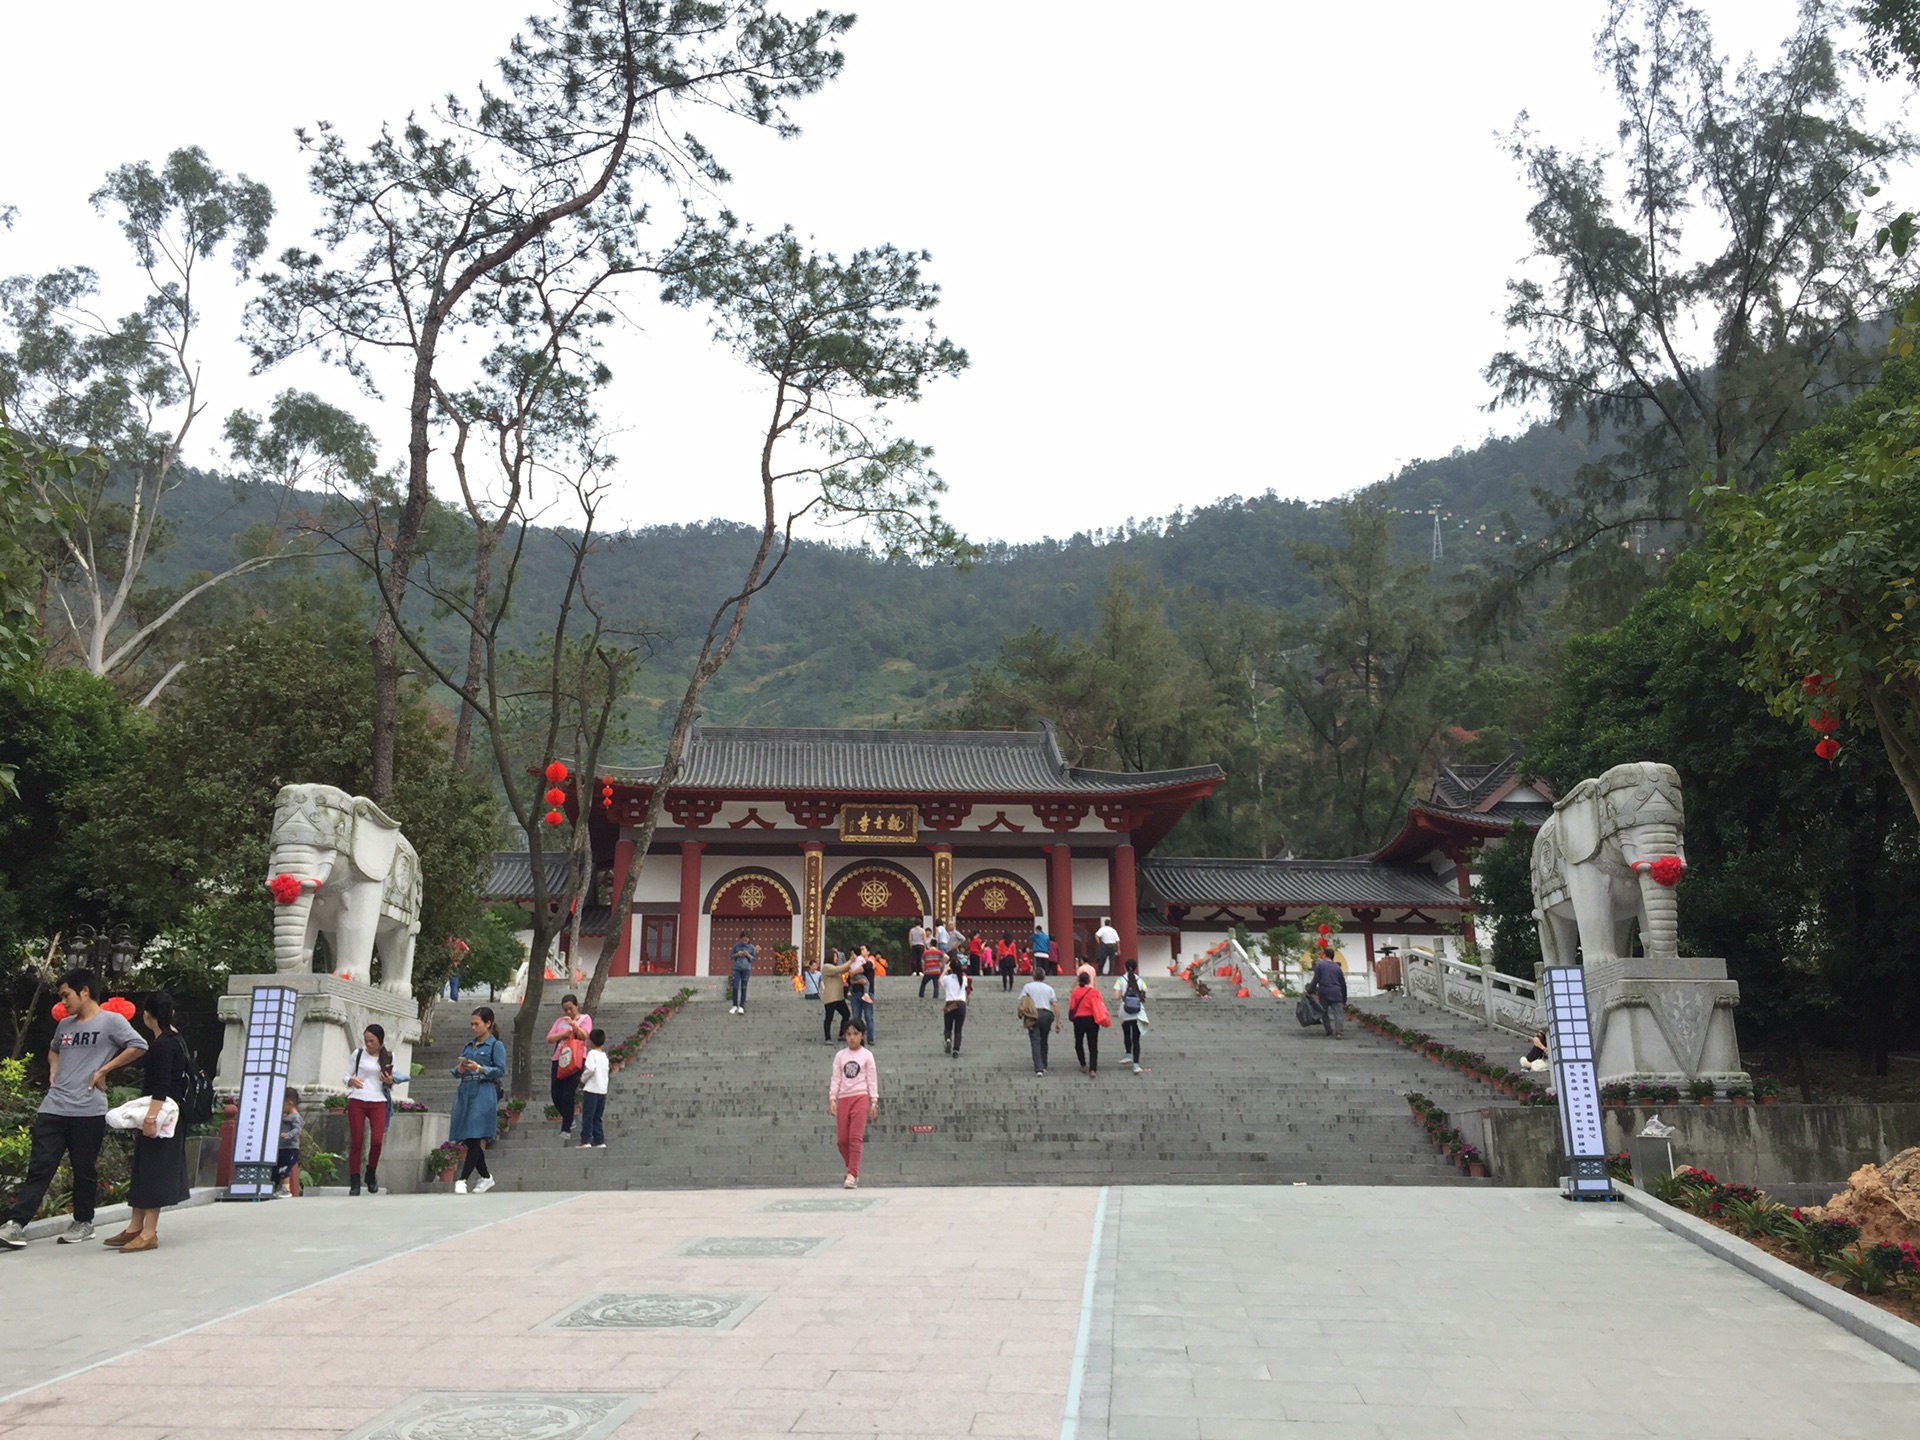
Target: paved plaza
{"points": [[1135, 1312]]}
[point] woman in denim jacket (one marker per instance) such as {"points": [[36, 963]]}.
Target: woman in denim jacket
{"points": [[476, 1104]]}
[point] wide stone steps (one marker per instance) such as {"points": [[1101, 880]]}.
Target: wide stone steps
{"points": [[1234, 1092]]}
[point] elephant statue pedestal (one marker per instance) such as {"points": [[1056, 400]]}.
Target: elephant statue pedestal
{"points": [[330, 1016], [1664, 1022]]}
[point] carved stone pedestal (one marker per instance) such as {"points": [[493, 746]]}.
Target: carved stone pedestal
{"points": [[1664, 1021], [330, 1014]]}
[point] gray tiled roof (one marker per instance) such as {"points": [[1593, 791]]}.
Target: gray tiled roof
{"points": [[512, 876], [1202, 881], [995, 762]]}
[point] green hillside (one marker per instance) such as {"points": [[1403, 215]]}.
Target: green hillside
{"points": [[846, 638]]}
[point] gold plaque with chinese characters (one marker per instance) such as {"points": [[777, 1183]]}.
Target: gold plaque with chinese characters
{"points": [[880, 824]]}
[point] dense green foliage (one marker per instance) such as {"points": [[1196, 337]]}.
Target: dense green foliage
{"points": [[1802, 874]]}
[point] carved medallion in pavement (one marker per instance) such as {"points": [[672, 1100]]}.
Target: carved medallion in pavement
{"points": [[628, 1311], [826, 1205], [444, 1415], [756, 1247]]}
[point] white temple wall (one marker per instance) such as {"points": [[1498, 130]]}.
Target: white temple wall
{"points": [[1089, 883]]}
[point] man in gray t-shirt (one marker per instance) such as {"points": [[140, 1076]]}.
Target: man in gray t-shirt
{"points": [[87, 1046]]}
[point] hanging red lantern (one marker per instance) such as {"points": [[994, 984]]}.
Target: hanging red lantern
{"points": [[556, 772], [554, 817], [1667, 870], [1326, 929], [286, 888], [119, 1006], [1825, 722], [1827, 748], [556, 797], [59, 1011]]}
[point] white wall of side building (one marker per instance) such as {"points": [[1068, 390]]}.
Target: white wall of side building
{"points": [[1089, 883]]}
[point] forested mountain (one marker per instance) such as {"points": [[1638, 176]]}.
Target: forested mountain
{"points": [[843, 637]]}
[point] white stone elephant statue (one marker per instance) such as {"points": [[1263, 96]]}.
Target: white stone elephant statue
{"points": [[1609, 854], [341, 867]]}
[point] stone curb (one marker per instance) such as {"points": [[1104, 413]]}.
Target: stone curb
{"points": [[1871, 1324], [116, 1214]]}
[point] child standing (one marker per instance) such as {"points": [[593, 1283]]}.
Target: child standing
{"points": [[853, 1098], [291, 1124], [593, 1094]]}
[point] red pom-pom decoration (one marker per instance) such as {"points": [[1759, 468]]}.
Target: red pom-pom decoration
{"points": [[121, 1007], [59, 1010], [554, 817], [1826, 722], [556, 797], [286, 888], [1326, 929], [1827, 748], [1667, 870], [556, 772]]}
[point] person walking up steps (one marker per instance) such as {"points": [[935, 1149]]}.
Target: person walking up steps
{"points": [[1108, 940], [1006, 958], [476, 1104], [833, 996], [932, 965], [956, 988], [1042, 952], [593, 1095], [743, 955], [369, 1080], [1089, 1014], [1131, 996], [917, 948], [853, 1098], [71, 1123], [1039, 1012], [1329, 987]]}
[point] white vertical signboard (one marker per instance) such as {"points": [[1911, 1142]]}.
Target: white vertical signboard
{"points": [[1570, 1036], [263, 1088]]}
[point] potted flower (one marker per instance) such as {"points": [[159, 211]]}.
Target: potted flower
{"points": [[1615, 1092], [1767, 1092], [1472, 1161], [1738, 1094], [444, 1159], [1646, 1095], [552, 1112], [1702, 1091], [1667, 1094]]}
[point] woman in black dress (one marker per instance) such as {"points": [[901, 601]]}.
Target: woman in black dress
{"points": [[159, 1165]]}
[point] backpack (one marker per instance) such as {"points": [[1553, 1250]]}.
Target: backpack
{"points": [[197, 1107], [574, 1051], [1131, 1001]]}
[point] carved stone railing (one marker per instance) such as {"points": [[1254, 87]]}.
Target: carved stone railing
{"points": [[1478, 992]]}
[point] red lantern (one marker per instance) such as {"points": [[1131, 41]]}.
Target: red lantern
{"points": [[556, 772], [1667, 870], [119, 1006], [554, 817], [59, 1010], [556, 797], [1825, 723], [286, 888], [1827, 748], [1326, 929]]}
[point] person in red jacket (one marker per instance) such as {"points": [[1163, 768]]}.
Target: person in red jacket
{"points": [[1089, 1013]]}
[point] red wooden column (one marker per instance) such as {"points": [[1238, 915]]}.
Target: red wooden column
{"points": [[1060, 904], [687, 947], [1465, 881], [622, 864], [1124, 901]]}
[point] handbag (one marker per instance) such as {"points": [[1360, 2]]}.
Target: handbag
{"points": [[132, 1115]]}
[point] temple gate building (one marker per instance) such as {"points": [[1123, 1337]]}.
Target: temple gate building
{"points": [[775, 833]]}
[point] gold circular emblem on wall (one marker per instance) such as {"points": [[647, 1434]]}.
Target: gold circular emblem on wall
{"points": [[875, 893], [994, 899], [752, 896]]}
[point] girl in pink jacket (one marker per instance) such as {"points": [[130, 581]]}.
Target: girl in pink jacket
{"points": [[853, 1098]]}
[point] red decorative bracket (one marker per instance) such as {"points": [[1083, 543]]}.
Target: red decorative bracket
{"points": [[1000, 822], [1061, 816], [1120, 815], [752, 817], [690, 812], [944, 814], [814, 813]]}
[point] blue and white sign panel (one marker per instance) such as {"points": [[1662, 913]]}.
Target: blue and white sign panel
{"points": [[1570, 1037], [263, 1089]]}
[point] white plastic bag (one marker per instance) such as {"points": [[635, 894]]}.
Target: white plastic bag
{"points": [[133, 1115]]}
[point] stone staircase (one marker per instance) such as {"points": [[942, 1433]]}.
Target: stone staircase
{"points": [[1234, 1092]]}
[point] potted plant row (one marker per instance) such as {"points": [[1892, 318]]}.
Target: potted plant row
{"points": [[619, 1055], [1515, 1083], [1431, 1118]]}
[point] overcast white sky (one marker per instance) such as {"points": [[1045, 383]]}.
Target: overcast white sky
{"points": [[1263, 247]]}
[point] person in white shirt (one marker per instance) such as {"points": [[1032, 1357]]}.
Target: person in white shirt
{"points": [[1130, 998], [593, 1094], [1107, 939], [1046, 1006], [917, 945], [956, 987], [369, 1081]]}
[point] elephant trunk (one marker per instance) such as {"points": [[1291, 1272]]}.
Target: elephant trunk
{"points": [[292, 923], [1660, 932]]}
